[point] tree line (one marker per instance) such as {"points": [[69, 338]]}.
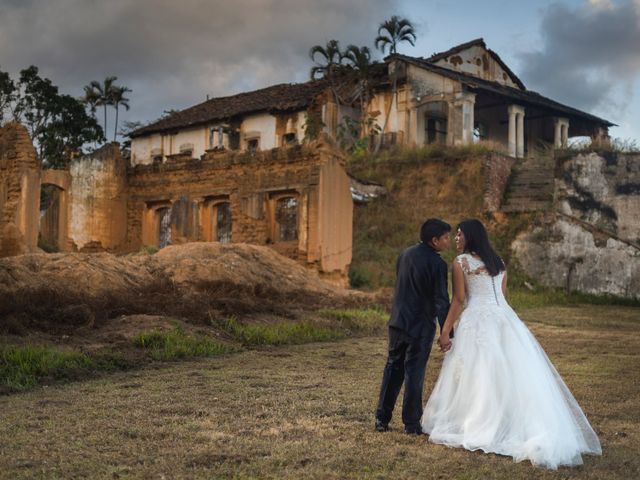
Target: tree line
{"points": [[60, 125]]}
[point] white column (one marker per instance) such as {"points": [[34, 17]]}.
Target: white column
{"points": [[512, 132], [516, 130], [466, 102], [520, 137], [561, 132], [557, 136]]}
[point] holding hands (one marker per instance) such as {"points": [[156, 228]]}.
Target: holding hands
{"points": [[444, 342]]}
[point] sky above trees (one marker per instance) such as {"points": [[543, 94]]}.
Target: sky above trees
{"points": [[173, 54]]}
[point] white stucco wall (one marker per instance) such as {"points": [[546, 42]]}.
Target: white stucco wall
{"points": [[141, 148], [169, 144], [265, 125], [478, 62]]}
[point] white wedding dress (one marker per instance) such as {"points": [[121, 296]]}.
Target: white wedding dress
{"points": [[498, 391]]}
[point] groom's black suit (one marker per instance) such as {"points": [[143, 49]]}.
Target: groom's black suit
{"points": [[420, 298]]}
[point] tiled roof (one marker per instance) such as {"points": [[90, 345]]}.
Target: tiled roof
{"points": [[525, 97], [277, 98]]}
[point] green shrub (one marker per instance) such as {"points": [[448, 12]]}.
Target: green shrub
{"points": [[150, 249], [22, 367], [359, 278], [176, 344]]}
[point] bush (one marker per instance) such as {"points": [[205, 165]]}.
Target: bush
{"points": [[176, 344], [23, 367]]}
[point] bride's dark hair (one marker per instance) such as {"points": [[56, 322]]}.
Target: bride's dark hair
{"points": [[477, 241]]}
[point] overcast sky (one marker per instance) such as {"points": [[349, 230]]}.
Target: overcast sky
{"points": [[172, 54]]}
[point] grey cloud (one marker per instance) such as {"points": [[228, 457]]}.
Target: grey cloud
{"points": [[174, 53], [590, 55]]}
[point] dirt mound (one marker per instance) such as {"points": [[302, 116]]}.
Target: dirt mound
{"points": [[200, 282]]}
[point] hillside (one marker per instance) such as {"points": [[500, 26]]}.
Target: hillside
{"points": [[420, 183]]}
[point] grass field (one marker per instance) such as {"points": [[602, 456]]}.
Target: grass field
{"points": [[306, 411]]}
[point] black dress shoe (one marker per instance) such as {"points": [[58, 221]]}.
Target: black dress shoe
{"points": [[413, 431], [381, 426]]}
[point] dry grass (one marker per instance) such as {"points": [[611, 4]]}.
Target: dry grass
{"points": [[306, 411]]}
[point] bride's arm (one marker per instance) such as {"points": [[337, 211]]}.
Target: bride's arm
{"points": [[505, 290], [457, 304]]}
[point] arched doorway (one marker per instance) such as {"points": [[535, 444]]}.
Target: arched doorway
{"points": [[163, 216], [221, 222], [53, 218]]}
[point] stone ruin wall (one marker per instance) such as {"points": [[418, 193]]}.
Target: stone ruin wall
{"points": [[496, 170], [101, 204], [19, 191], [97, 219], [590, 242], [251, 183]]}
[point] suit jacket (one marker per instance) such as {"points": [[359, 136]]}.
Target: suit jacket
{"points": [[421, 297]]}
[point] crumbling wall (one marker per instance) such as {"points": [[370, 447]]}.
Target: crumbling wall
{"points": [[496, 168], [590, 242], [252, 184], [602, 190], [98, 214], [19, 191]]}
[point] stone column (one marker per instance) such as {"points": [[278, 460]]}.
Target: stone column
{"points": [[557, 133], [520, 138], [512, 132], [516, 131], [465, 101], [561, 132]]}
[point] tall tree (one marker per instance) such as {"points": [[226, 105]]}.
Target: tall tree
{"points": [[390, 33], [393, 31], [58, 124], [91, 99], [118, 98], [7, 95], [68, 130], [329, 61], [35, 102], [104, 91]]}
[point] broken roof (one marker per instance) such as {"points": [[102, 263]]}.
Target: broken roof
{"points": [[525, 97]]}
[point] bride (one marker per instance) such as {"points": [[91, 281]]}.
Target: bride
{"points": [[497, 390]]}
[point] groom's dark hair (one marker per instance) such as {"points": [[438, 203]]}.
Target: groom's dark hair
{"points": [[433, 227]]}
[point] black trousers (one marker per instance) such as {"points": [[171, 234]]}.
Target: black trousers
{"points": [[406, 363]]}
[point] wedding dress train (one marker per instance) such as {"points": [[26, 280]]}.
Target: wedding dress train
{"points": [[498, 391]]}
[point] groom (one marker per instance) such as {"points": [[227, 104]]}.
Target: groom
{"points": [[420, 298]]}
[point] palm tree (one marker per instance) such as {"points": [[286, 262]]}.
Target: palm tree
{"points": [[359, 59], [104, 91], [91, 99], [117, 99], [390, 33], [395, 30], [330, 59]]}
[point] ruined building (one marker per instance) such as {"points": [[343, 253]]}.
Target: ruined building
{"points": [[236, 169], [455, 97], [295, 199]]}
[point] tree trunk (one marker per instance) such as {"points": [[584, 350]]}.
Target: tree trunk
{"points": [[105, 121], [115, 128]]}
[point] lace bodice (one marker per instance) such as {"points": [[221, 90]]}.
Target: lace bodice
{"points": [[481, 288]]}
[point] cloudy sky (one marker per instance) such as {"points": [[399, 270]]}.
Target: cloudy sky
{"points": [[585, 53]]}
